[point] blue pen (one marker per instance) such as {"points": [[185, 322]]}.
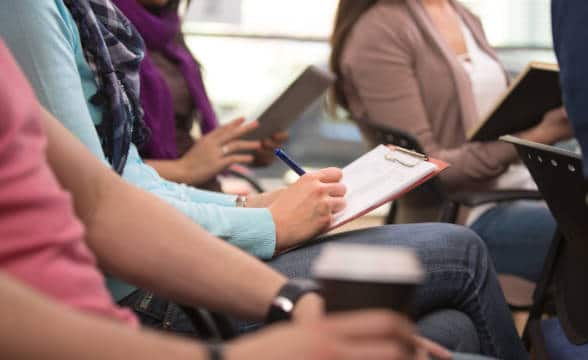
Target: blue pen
{"points": [[288, 161]]}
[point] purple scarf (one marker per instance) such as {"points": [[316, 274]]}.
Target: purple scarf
{"points": [[160, 34]]}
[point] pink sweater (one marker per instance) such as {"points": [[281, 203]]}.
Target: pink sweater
{"points": [[41, 240]]}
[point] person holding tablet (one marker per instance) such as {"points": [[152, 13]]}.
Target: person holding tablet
{"points": [[425, 66], [173, 95]]}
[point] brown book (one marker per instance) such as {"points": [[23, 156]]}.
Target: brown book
{"points": [[533, 93]]}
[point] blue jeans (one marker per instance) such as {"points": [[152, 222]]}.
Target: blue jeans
{"points": [[518, 235], [450, 328], [460, 276]]}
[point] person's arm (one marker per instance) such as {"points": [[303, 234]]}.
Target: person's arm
{"points": [[570, 39], [35, 327], [41, 36], [170, 255], [210, 155], [44, 43], [252, 230]]}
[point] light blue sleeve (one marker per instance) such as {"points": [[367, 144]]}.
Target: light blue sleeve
{"points": [[43, 42], [252, 230], [44, 39]]}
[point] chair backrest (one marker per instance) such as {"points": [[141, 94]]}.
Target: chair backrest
{"points": [[423, 204], [558, 174]]}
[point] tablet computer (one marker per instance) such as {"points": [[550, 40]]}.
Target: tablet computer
{"points": [[292, 102]]}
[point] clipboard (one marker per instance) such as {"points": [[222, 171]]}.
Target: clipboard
{"points": [[381, 176]]}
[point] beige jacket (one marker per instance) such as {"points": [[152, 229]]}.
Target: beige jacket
{"points": [[398, 71]]}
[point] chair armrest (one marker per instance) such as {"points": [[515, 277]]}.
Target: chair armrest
{"points": [[471, 199]]}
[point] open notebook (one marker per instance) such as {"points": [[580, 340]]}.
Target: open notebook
{"points": [[380, 176]]}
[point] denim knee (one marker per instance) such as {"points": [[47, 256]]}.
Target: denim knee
{"points": [[464, 239], [452, 329]]}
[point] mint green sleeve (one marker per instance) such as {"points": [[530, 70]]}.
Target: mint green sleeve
{"points": [[43, 44], [252, 230], [44, 40]]}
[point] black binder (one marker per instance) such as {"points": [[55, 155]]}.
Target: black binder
{"points": [[559, 177], [534, 92]]}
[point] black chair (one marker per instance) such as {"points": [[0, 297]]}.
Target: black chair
{"points": [[558, 174], [432, 200], [250, 179]]}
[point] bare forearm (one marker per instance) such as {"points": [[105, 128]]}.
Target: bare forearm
{"points": [[165, 251], [141, 239], [34, 327]]}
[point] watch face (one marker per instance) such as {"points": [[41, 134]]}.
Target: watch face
{"points": [[283, 304]]}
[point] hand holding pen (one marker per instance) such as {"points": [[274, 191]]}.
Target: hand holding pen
{"points": [[305, 209]]}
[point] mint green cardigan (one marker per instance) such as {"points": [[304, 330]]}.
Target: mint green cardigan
{"points": [[45, 41]]}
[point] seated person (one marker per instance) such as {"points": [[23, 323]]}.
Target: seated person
{"points": [[58, 256], [425, 67], [291, 216], [173, 94], [54, 249]]}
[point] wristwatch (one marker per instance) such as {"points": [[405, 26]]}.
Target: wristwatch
{"points": [[241, 201], [286, 299]]}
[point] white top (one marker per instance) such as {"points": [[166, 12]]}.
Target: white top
{"points": [[488, 84]]}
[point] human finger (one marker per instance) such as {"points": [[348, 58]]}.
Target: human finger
{"points": [[276, 140], [220, 131], [336, 204], [270, 144], [433, 348], [374, 324], [238, 131], [281, 136], [374, 350], [335, 189], [241, 145], [329, 175], [237, 159]]}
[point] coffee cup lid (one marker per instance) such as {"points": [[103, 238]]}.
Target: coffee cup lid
{"points": [[368, 263]]}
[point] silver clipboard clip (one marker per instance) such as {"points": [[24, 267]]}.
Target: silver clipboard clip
{"points": [[390, 156]]}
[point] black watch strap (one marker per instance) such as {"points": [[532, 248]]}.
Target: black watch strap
{"points": [[286, 299], [215, 351]]}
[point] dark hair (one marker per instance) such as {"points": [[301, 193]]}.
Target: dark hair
{"points": [[348, 13]]}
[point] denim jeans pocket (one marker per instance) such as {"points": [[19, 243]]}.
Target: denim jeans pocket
{"points": [[152, 311]]}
